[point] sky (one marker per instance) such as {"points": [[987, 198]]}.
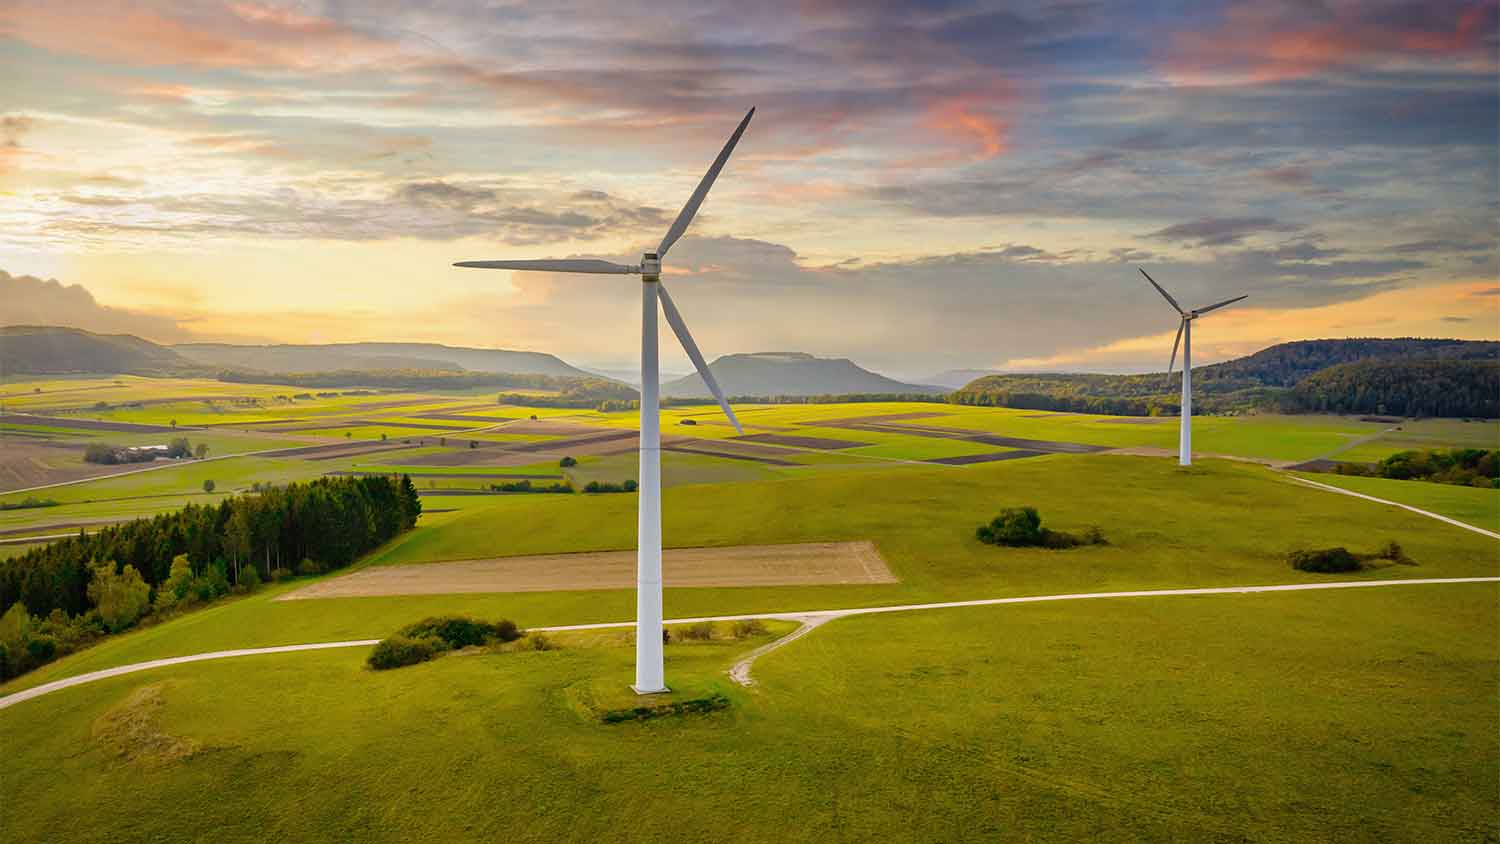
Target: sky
{"points": [[924, 186]]}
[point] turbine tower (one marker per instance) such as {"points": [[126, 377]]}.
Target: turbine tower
{"points": [[649, 667], [1185, 338]]}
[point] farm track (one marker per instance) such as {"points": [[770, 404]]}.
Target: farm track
{"points": [[804, 617]]}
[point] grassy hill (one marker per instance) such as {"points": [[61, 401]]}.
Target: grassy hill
{"points": [[1358, 375], [47, 349], [373, 356], [791, 374]]}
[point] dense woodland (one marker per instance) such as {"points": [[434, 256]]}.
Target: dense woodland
{"points": [[330, 520], [66, 594], [1444, 387], [1478, 467]]}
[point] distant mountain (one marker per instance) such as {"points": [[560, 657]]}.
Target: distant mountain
{"points": [[1360, 375], [47, 349], [373, 356], [791, 374]]}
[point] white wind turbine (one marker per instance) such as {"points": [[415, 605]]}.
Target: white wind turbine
{"points": [[649, 668], [1185, 338]]}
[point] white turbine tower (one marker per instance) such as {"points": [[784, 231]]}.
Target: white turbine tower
{"points": [[1185, 338], [649, 668]]}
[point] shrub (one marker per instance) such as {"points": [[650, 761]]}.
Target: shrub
{"points": [[208, 485], [399, 650], [539, 642], [605, 486], [1393, 551], [249, 579], [457, 631], [1015, 526], [703, 631], [1324, 560], [309, 568], [747, 627], [566, 462]]}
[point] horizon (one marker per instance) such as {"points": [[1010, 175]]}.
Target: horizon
{"points": [[944, 188]]}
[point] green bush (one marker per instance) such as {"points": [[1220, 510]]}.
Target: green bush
{"points": [[605, 486], [399, 650], [1021, 527], [457, 631], [703, 631], [747, 627], [567, 462], [1324, 560], [539, 642]]}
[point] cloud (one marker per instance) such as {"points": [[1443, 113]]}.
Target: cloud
{"points": [[1275, 40], [1221, 231], [27, 300]]}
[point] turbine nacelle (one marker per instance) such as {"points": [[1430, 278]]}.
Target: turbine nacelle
{"points": [[650, 264]]}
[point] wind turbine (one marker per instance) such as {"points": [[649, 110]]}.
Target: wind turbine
{"points": [[649, 668], [1185, 338]]}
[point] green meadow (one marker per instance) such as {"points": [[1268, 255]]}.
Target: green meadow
{"points": [[1364, 715]]}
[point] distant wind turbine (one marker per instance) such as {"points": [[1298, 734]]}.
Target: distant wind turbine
{"points": [[1185, 338], [649, 667]]}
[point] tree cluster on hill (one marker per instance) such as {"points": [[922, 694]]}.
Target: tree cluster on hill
{"points": [[332, 520], [573, 393], [1427, 387], [1408, 377], [1478, 467]]}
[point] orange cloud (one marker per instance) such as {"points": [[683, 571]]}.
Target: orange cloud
{"points": [[249, 36], [965, 120], [1251, 46]]}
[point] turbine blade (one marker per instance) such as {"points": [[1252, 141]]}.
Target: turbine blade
{"points": [[1175, 343], [685, 216], [674, 319], [1165, 294], [1220, 304], [563, 265]]}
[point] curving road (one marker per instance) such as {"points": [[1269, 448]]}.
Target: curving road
{"points": [[741, 670]]}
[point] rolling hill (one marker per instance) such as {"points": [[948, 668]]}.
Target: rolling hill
{"points": [[48, 349], [1357, 375], [791, 374], [374, 356]]}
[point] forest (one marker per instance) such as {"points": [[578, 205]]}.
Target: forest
{"points": [[331, 520]]}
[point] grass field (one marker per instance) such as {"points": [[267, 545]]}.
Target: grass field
{"points": [[1167, 528], [1354, 716], [1479, 507]]}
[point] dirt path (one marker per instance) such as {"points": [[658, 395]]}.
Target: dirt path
{"points": [[805, 617]]}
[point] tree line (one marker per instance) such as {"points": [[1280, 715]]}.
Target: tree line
{"points": [[330, 520]]}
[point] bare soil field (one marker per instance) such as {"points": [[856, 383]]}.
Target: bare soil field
{"points": [[741, 565], [27, 463]]}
